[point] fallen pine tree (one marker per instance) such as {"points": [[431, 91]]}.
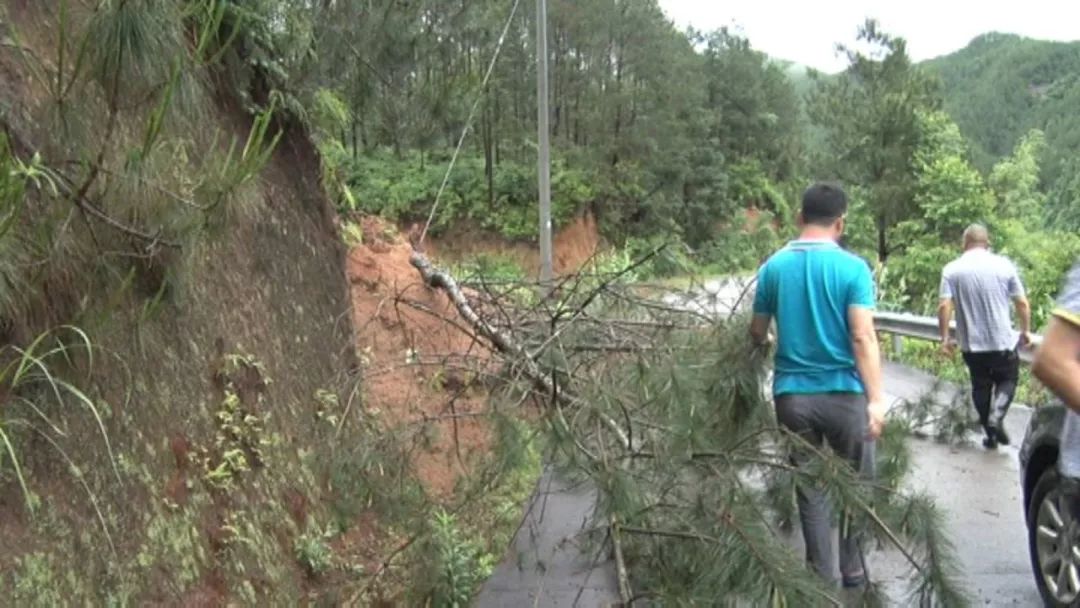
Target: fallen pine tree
{"points": [[664, 411]]}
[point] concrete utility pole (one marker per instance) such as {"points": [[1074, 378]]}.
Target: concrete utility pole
{"points": [[543, 132]]}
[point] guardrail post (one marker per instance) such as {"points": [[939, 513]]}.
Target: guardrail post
{"points": [[897, 345]]}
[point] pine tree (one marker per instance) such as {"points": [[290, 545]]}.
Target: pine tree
{"points": [[674, 427], [664, 410]]}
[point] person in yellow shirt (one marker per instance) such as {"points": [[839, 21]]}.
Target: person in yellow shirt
{"points": [[1057, 366]]}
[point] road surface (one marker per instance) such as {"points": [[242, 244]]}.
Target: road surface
{"points": [[979, 490], [547, 564]]}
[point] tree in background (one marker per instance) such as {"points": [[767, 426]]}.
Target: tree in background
{"points": [[948, 194], [1027, 232], [656, 130], [1015, 182], [1063, 202], [870, 117], [1001, 86]]}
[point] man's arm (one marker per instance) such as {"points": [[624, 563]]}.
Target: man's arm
{"points": [[944, 312], [1023, 315], [1057, 362], [1023, 307], [864, 345], [944, 318], [759, 329], [764, 308]]}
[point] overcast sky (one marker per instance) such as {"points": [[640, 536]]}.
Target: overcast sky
{"points": [[807, 32]]}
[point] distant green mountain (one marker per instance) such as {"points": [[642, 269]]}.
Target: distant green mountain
{"points": [[803, 84], [1001, 85]]}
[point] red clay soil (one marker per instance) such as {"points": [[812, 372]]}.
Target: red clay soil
{"points": [[414, 358], [573, 246]]}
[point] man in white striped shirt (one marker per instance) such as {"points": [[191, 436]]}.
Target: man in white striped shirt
{"points": [[979, 285]]}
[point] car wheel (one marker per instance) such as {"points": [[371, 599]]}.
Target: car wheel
{"points": [[1054, 542]]}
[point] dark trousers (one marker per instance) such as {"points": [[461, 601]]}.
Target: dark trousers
{"points": [[994, 376], [840, 419]]}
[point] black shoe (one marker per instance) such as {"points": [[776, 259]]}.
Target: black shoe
{"points": [[853, 582], [990, 442], [1002, 436]]}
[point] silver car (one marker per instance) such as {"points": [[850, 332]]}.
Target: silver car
{"points": [[1051, 508]]}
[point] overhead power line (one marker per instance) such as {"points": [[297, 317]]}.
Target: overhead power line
{"points": [[469, 119]]}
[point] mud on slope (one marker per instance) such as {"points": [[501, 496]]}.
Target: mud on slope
{"points": [[239, 343], [262, 312], [420, 359], [573, 245], [247, 430]]}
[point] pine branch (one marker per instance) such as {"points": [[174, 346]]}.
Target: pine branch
{"points": [[625, 591], [687, 518], [505, 343], [78, 197]]}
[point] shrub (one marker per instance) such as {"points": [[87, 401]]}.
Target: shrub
{"points": [[404, 188], [460, 564], [736, 250], [489, 267], [669, 256], [313, 551]]}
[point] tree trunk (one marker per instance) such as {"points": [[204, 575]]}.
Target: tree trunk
{"points": [[618, 107], [505, 343], [882, 247], [355, 132], [577, 118], [556, 90], [495, 127], [486, 135]]}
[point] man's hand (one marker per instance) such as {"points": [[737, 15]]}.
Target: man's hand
{"points": [[948, 347], [760, 332], [875, 413], [1025, 340]]}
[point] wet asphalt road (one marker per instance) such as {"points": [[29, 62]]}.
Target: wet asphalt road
{"points": [[979, 490]]}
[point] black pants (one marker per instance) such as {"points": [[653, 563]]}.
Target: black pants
{"points": [[994, 376]]}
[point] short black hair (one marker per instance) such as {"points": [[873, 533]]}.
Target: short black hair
{"points": [[823, 203]]}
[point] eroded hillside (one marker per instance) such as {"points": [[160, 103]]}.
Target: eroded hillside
{"points": [[197, 425]]}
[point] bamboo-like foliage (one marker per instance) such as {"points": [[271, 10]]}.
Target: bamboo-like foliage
{"points": [[126, 85], [98, 177], [942, 413], [13, 247], [133, 46], [31, 381]]}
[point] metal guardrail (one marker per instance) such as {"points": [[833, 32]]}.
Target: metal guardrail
{"points": [[926, 328]]}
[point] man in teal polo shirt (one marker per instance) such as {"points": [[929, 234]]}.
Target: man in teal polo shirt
{"points": [[827, 373]]}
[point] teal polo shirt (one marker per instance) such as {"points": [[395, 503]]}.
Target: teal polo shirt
{"points": [[807, 287]]}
